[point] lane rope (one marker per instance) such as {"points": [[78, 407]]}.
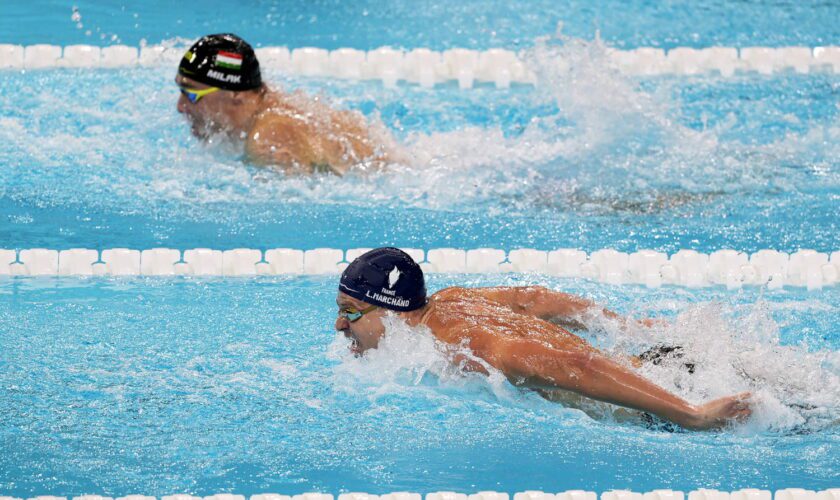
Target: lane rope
{"points": [[688, 268], [700, 494], [428, 68]]}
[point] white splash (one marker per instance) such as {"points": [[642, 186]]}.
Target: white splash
{"points": [[733, 349], [410, 359], [736, 348], [611, 144]]}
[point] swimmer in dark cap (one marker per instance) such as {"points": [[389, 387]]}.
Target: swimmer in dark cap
{"points": [[222, 92], [514, 330]]}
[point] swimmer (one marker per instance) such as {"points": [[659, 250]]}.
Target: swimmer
{"points": [[222, 92], [517, 331]]}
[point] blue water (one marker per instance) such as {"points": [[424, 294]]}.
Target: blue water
{"points": [[204, 386], [101, 159], [439, 25]]}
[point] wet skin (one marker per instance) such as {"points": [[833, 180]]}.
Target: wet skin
{"points": [[515, 330], [289, 131]]}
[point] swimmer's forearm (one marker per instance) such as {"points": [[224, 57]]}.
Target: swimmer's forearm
{"points": [[606, 380], [596, 376]]}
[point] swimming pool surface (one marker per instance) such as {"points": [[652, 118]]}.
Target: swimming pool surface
{"points": [[101, 159], [209, 386], [367, 24], [156, 386]]}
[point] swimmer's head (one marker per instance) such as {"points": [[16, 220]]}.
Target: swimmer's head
{"points": [[224, 61], [377, 281], [218, 76]]}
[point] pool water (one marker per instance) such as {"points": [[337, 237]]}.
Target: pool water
{"points": [[367, 24], [101, 158], [156, 386], [207, 386]]}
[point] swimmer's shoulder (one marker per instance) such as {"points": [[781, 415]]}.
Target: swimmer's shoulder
{"points": [[274, 123], [458, 296], [445, 316], [277, 138], [453, 292]]}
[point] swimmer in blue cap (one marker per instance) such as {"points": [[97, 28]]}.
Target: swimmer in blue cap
{"points": [[513, 329], [222, 92]]}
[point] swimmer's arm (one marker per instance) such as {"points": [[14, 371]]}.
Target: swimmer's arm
{"points": [[593, 375], [564, 308]]}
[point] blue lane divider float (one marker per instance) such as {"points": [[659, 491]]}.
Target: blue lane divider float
{"points": [[701, 494], [689, 268], [428, 68]]}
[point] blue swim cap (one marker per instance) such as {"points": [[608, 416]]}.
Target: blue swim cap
{"points": [[386, 277]]}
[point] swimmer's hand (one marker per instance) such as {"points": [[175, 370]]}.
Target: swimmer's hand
{"points": [[720, 412]]}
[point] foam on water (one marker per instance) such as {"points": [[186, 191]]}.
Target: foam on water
{"points": [[610, 142], [409, 357], [587, 158], [734, 348], [605, 127], [737, 348], [201, 384]]}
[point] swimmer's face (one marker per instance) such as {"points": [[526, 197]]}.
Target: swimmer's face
{"points": [[212, 114], [364, 332]]}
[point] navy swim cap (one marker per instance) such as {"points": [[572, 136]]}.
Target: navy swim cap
{"points": [[225, 61], [386, 277]]}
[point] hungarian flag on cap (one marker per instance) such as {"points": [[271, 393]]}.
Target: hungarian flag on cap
{"points": [[229, 60]]}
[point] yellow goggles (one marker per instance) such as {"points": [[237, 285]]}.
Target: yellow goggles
{"points": [[352, 314], [194, 95]]}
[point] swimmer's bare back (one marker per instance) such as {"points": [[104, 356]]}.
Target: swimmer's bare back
{"points": [[507, 328], [301, 134]]}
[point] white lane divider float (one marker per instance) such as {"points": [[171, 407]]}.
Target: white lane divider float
{"points": [[750, 494], [428, 68], [689, 268], [701, 494]]}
